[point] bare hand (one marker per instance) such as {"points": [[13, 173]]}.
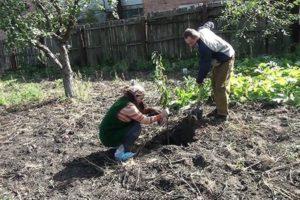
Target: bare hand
{"points": [[164, 116]]}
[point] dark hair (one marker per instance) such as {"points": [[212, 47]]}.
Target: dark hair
{"points": [[131, 98], [189, 33]]}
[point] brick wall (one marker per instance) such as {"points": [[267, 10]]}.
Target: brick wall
{"points": [[165, 5]]}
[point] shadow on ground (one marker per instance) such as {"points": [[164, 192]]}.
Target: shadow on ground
{"points": [[84, 168]]}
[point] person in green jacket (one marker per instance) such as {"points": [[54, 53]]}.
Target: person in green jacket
{"points": [[121, 125]]}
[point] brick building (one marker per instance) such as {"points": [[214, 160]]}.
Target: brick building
{"points": [[165, 5]]}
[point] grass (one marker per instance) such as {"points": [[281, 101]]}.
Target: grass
{"points": [[14, 92]]}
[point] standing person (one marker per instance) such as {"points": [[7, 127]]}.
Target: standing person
{"points": [[216, 55], [121, 125]]}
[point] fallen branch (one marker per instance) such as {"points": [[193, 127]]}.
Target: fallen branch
{"points": [[282, 167], [249, 167]]}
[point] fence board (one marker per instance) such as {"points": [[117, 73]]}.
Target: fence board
{"points": [[135, 39]]}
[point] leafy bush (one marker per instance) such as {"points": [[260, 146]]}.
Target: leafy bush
{"points": [[256, 80], [268, 82], [270, 18], [188, 92]]}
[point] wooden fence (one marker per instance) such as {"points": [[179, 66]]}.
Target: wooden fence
{"points": [[135, 39]]}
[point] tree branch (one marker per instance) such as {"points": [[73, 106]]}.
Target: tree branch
{"points": [[71, 21], [58, 10], [45, 13], [48, 52]]}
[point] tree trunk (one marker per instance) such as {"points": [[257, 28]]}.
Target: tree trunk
{"points": [[67, 71]]}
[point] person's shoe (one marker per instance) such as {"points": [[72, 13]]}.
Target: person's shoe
{"points": [[123, 156]]}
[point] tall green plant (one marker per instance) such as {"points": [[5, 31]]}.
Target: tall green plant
{"points": [[161, 80]]}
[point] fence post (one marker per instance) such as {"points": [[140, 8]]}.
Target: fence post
{"points": [[82, 47], [145, 36], [13, 59]]}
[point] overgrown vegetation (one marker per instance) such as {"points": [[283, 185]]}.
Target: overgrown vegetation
{"points": [[17, 91], [13, 93], [263, 79], [269, 82]]}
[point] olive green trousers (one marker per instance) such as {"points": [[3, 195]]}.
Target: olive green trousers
{"points": [[220, 80]]}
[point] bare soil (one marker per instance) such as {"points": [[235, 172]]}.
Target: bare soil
{"points": [[52, 151]]}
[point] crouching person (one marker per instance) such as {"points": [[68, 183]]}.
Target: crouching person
{"points": [[121, 125]]}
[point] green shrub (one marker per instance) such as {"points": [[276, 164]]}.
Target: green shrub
{"points": [[256, 80]]}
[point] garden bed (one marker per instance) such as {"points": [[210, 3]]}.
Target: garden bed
{"points": [[52, 151]]}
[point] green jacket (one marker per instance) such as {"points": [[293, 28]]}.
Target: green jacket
{"points": [[112, 130]]}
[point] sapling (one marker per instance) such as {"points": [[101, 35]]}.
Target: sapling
{"points": [[161, 83], [161, 80]]}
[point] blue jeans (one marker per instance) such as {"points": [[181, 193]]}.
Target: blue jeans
{"points": [[132, 135]]}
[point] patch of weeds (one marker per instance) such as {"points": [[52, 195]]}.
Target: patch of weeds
{"points": [[82, 88], [189, 92], [141, 65], [14, 93], [275, 81], [178, 65], [32, 74]]}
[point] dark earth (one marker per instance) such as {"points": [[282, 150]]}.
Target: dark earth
{"points": [[51, 151]]}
